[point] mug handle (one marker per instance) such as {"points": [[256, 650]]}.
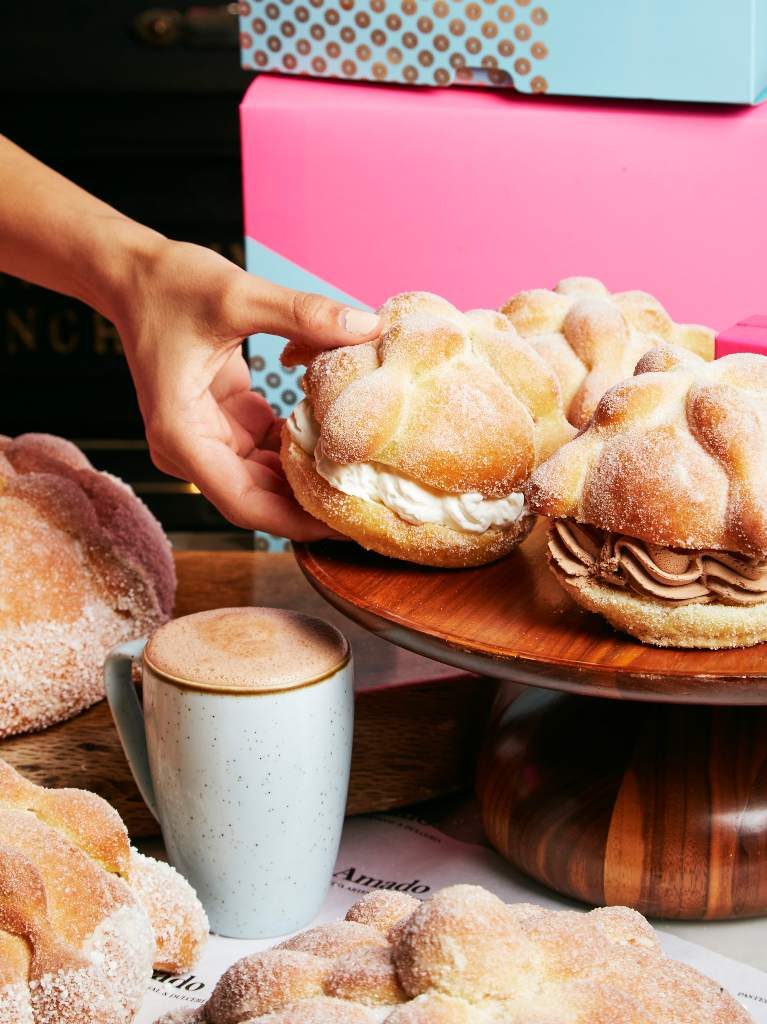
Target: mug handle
{"points": [[129, 718]]}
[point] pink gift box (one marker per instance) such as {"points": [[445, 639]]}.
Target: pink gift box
{"points": [[749, 335], [476, 194]]}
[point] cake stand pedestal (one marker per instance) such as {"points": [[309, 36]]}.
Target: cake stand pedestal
{"points": [[624, 773]]}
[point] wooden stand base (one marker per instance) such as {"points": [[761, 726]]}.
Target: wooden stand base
{"points": [[655, 806]]}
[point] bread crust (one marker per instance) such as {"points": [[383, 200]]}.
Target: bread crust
{"points": [[457, 401], [376, 528], [706, 626], [673, 455]]}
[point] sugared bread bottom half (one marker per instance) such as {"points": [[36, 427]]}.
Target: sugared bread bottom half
{"points": [[376, 528], [705, 626]]}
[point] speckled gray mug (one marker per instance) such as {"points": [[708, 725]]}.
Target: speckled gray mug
{"points": [[242, 753]]}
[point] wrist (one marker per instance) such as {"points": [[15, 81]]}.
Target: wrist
{"points": [[122, 250]]}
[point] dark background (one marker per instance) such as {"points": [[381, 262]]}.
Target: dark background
{"points": [[138, 104]]}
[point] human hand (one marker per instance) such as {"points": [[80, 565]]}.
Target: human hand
{"points": [[182, 312]]}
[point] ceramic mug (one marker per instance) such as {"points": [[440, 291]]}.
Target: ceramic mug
{"points": [[245, 763]]}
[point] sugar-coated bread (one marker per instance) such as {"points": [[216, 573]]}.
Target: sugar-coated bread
{"points": [[78, 938], [675, 455], [382, 909], [593, 339], [465, 957], [455, 402], [367, 976], [460, 943], [670, 476], [337, 939], [83, 566], [178, 921]]}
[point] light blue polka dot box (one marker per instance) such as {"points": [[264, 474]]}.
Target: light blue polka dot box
{"points": [[711, 51]]}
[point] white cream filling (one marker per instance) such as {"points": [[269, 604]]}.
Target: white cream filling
{"points": [[415, 503]]}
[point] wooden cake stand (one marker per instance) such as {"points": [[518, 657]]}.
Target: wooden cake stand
{"points": [[630, 774]]}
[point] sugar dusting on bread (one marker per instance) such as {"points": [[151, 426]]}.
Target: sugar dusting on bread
{"points": [[83, 566], [179, 922], [368, 976], [429, 400], [465, 957], [382, 909], [337, 939], [264, 982], [592, 339], [90, 941], [676, 456], [454, 403], [77, 944]]}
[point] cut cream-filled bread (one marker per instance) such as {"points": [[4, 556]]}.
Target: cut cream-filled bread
{"points": [[418, 445], [659, 507]]}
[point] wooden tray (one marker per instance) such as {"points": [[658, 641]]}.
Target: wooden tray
{"points": [[418, 723], [512, 620]]}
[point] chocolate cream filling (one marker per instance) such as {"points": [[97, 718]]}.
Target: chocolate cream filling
{"points": [[665, 574]]}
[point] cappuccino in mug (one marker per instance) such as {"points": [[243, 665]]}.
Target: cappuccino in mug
{"points": [[243, 755], [247, 649]]}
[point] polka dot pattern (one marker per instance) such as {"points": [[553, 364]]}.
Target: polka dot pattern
{"points": [[424, 43]]}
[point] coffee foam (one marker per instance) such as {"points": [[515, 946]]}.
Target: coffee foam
{"points": [[248, 649]]}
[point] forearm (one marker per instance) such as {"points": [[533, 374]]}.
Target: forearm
{"points": [[55, 234]]}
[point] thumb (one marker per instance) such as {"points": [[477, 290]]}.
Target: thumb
{"points": [[311, 320]]}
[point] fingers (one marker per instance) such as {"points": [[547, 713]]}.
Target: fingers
{"points": [[272, 439], [269, 459], [312, 319], [247, 492], [285, 517], [250, 492], [251, 417], [233, 377]]}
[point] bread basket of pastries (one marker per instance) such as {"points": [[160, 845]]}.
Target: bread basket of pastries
{"points": [[466, 957], [419, 445], [83, 917], [83, 565]]}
